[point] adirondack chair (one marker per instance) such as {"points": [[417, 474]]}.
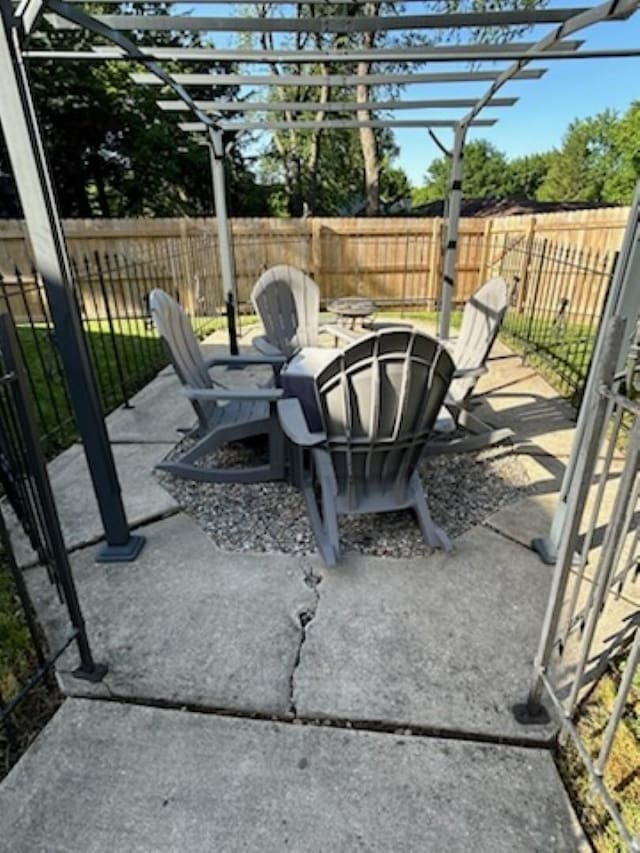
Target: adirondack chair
{"points": [[481, 321], [224, 414], [378, 401], [288, 303]]}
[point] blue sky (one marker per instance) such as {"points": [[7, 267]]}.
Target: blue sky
{"points": [[570, 89]]}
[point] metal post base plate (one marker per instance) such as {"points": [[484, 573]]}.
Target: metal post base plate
{"points": [[121, 553], [94, 675], [531, 715], [545, 549]]}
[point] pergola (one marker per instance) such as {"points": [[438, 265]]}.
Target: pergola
{"points": [[116, 38]]}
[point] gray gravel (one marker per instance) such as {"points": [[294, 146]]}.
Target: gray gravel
{"points": [[463, 490]]}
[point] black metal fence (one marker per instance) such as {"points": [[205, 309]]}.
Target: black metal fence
{"points": [[26, 662], [559, 292], [112, 290]]}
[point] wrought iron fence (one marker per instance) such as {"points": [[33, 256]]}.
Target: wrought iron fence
{"points": [[592, 625], [27, 492], [559, 291], [112, 290]]}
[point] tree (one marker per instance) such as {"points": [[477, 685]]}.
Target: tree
{"points": [[621, 179], [112, 152], [297, 153], [486, 174], [579, 170], [528, 173]]}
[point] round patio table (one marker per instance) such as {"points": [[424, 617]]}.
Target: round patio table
{"points": [[352, 308]]}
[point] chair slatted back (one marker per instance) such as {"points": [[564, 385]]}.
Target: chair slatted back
{"points": [[481, 321], [379, 400], [174, 327], [288, 303]]}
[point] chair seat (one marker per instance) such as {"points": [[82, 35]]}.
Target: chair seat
{"points": [[238, 412]]}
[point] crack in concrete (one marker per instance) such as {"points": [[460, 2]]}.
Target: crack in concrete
{"points": [[305, 617]]}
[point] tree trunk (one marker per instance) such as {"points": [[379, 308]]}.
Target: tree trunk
{"points": [[369, 148], [368, 142]]}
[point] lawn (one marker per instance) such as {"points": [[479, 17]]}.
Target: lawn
{"points": [[124, 360], [622, 774], [17, 663], [562, 354]]}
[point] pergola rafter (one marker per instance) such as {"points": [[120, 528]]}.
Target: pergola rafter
{"points": [[334, 124], [335, 24], [330, 106]]}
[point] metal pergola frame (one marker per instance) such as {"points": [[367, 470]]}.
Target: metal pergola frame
{"points": [[26, 151]]}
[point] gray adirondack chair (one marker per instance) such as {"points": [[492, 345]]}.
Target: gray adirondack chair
{"points": [[288, 304], [224, 414], [378, 401], [481, 321]]}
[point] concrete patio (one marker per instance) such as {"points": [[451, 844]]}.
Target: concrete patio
{"points": [[380, 692]]}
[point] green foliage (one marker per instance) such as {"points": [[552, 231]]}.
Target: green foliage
{"points": [[579, 170], [526, 174], [599, 161], [112, 152], [485, 174]]}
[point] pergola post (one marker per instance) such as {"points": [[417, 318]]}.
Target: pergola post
{"points": [[624, 302], [216, 149], [27, 156], [451, 238]]}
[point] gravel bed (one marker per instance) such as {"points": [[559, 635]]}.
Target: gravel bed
{"points": [[462, 489]]}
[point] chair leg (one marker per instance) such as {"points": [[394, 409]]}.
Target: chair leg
{"points": [[185, 465], [323, 523], [434, 536], [276, 441]]}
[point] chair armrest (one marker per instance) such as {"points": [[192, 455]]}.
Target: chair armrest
{"points": [[294, 424], [231, 360], [470, 372], [339, 332], [265, 394], [263, 346]]}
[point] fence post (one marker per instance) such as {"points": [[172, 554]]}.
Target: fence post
{"points": [[316, 250], [485, 253], [434, 261], [525, 269], [190, 304]]}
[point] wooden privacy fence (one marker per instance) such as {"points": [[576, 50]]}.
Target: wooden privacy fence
{"points": [[397, 262]]}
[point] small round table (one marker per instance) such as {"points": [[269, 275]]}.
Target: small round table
{"points": [[353, 308]]}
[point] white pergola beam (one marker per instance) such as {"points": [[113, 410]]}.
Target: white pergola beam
{"points": [[336, 124], [329, 107], [333, 24], [331, 79], [452, 53]]}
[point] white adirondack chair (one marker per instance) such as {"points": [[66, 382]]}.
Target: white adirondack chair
{"points": [[481, 321], [224, 414], [378, 401], [288, 304]]}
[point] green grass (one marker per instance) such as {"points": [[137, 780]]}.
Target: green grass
{"points": [[17, 662], [561, 355], [622, 773], [16, 650], [123, 361]]}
